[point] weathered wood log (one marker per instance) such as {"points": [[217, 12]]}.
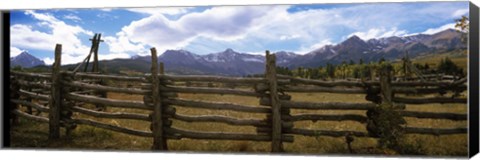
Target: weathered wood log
{"points": [[318, 117], [271, 76], [324, 105], [30, 104], [106, 77], [324, 89], [216, 105], [34, 95], [332, 83], [428, 100], [159, 142], [411, 90], [432, 115], [207, 90], [309, 132], [56, 96], [112, 127], [417, 84], [29, 116], [201, 78], [106, 88], [221, 119], [222, 135], [33, 75], [118, 115], [109, 102], [435, 131], [34, 84]]}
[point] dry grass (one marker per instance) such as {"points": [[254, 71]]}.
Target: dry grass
{"points": [[30, 134]]}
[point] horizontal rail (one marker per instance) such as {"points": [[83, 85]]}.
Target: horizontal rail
{"points": [[34, 95], [109, 77], [223, 136], [106, 88], [333, 83], [108, 102], [309, 132], [30, 104], [118, 115], [221, 119], [212, 79], [33, 75], [323, 89], [112, 127], [31, 117], [34, 84], [431, 115], [322, 105], [435, 131], [207, 90], [216, 105], [411, 90], [318, 117], [428, 100]]}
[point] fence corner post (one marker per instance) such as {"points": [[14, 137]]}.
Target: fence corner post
{"points": [[271, 77], [159, 141], [56, 96]]}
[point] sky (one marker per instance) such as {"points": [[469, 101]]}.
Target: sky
{"points": [[203, 30]]}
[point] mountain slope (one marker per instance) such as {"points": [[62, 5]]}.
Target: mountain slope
{"points": [[25, 60]]}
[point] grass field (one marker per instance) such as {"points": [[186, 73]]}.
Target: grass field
{"points": [[29, 134]]}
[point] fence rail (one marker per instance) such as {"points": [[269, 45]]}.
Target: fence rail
{"points": [[67, 92]]}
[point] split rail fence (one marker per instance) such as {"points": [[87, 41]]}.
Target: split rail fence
{"points": [[60, 95]]}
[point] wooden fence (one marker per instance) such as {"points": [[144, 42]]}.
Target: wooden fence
{"points": [[60, 95]]}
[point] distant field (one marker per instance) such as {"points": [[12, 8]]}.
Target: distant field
{"points": [[30, 134]]}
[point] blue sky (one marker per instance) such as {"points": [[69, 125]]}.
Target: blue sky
{"points": [[249, 29]]}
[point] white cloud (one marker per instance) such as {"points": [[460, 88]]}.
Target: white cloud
{"points": [[288, 37], [219, 23], [161, 10], [441, 28], [121, 44], [379, 33], [72, 17], [14, 51], [113, 56], [73, 50], [460, 12]]}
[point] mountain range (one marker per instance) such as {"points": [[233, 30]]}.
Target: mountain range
{"points": [[230, 62]]}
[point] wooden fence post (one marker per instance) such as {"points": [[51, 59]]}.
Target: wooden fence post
{"points": [[271, 77], [385, 84], [55, 97], [159, 141]]}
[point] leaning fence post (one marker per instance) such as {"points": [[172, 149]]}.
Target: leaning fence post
{"points": [[55, 97], [159, 141], [271, 77]]}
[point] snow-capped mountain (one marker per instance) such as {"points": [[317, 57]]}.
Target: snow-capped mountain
{"points": [[25, 60]]}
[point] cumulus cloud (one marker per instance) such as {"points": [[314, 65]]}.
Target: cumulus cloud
{"points": [[65, 34], [14, 51], [218, 23], [441, 28], [121, 45]]}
